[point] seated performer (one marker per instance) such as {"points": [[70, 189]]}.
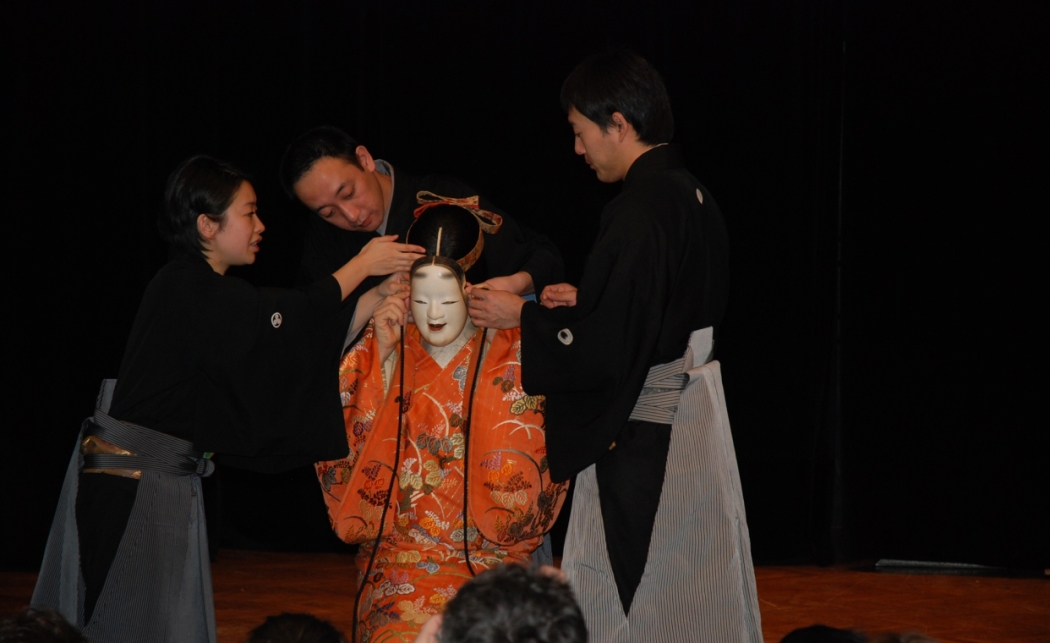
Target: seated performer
{"points": [[447, 471], [213, 364]]}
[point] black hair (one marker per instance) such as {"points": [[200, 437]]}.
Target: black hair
{"points": [[621, 81], [199, 185], [460, 231], [38, 625], [318, 143], [295, 628], [511, 604], [823, 634]]}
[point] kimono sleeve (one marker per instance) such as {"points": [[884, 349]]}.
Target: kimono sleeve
{"points": [[273, 376], [512, 498], [356, 487], [590, 360]]}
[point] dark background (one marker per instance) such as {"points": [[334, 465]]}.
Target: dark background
{"points": [[876, 163]]}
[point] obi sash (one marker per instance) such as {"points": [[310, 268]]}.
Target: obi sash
{"points": [[159, 585], [658, 401]]}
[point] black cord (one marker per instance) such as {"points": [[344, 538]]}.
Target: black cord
{"points": [[466, 447], [389, 491]]}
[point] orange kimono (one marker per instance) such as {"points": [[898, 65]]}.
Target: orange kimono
{"points": [[419, 560]]}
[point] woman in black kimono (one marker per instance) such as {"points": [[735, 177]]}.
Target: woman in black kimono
{"points": [[213, 365]]}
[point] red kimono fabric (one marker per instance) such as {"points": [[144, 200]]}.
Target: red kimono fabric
{"points": [[419, 560]]}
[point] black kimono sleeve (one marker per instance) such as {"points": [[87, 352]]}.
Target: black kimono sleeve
{"points": [[587, 359], [237, 370], [273, 379], [656, 273]]}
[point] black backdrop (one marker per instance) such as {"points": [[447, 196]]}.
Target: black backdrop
{"points": [[874, 161]]}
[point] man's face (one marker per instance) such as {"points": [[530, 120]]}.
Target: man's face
{"points": [[598, 148], [438, 306], [347, 196]]}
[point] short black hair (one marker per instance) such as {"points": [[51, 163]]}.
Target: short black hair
{"points": [[621, 81], [199, 185], [38, 625], [511, 604], [318, 143], [823, 634], [295, 628]]}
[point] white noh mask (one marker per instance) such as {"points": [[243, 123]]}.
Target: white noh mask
{"points": [[439, 307]]}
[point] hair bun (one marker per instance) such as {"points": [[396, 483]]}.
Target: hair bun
{"points": [[459, 230]]}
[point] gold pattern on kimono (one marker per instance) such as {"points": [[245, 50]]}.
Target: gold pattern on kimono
{"points": [[419, 560]]}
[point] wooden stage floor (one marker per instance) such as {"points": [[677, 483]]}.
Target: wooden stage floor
{"points": [[948, 608]]}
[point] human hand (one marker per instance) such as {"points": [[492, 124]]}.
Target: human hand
{"points": [[389, 316], [429, 632], [494, 308], [398, 284], [551, 571], [520, 283], [556, 295], [395, 284], [384, 256]]}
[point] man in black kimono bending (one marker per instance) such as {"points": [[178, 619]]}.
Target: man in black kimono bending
{"points": [[362, 203], [657, 479]]}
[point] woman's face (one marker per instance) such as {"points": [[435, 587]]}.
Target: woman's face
{"points": [[438, 306], [237, 240]]}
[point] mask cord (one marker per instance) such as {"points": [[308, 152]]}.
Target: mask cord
{"points": [[466, 446], [390, 490]]}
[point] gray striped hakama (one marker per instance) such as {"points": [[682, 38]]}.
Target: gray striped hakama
{"points": [[158, 588], [699, 580]]}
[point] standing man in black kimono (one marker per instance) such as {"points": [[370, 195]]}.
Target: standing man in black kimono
{"points": [[656, 481], [361, 200]]}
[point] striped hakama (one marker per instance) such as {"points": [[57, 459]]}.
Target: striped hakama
{"points": [[158, 588], [699, 581]]}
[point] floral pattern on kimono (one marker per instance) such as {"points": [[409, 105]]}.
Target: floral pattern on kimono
{"points": [[419, 560]]}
